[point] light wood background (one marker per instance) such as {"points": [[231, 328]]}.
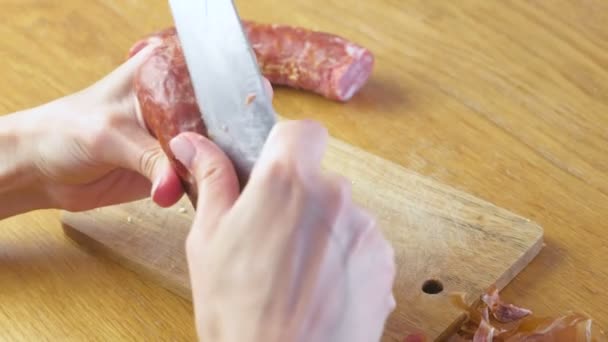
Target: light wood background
{"points": [[507, 100]]}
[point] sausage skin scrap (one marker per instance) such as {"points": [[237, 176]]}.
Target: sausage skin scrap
{"points": [[318, 62], [494, 320], [501, 311]]}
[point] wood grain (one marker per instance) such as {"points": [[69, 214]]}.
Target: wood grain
{"points": [[502, 99], [438, 234]]}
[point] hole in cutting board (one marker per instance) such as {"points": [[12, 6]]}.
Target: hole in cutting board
{"points": [[432, 286]]}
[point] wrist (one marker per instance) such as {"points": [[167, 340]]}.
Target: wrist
{"points": [[21, 189]]}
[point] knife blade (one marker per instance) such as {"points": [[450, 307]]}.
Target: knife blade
{"points": [[227, 82]]}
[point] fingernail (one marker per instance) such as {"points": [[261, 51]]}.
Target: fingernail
{"points": [[391, 302], [154, 186], [183, 150]]}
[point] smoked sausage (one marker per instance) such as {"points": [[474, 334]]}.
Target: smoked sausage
{"points": [[319, 62]]}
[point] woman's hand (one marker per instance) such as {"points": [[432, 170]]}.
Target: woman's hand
{"points": [[86, 150], [290, 259], [92, 148]]}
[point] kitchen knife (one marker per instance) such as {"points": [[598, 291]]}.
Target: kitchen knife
{"points": [[227, 82]]}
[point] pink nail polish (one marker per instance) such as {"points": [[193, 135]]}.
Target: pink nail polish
{"points": [[155, 186]]}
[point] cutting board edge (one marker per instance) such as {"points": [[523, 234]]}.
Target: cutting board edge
{"points": [[426, 180], [527, 257], [94, 246], [503, 281]]}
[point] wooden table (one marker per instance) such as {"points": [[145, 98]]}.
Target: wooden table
{"points": [[507, 100]]}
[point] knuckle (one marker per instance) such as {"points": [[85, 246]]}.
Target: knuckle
{"points": [[377, 245], [334, 196], [281, 171], [368, 221], [71, 204], [148, 159], [386, 250], [339, 190], [212, 172], [99, 131], [282, 129], [284, 158], [96, 138], [114, 117], [344, 187], [307, 126], [210, 169], [287, 135]]}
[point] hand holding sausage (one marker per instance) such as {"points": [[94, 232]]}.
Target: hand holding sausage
{"points": [[89, 149], [290, 259]]}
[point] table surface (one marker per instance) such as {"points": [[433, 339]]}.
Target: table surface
{"points": [[506, 100]]}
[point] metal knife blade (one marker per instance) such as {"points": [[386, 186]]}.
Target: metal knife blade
{"points": [[227, 82]]}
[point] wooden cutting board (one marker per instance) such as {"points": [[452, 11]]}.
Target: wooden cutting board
{"points": [[445, 240]]}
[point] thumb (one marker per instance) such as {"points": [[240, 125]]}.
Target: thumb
{"points": [[216, 180], [140, 152]]}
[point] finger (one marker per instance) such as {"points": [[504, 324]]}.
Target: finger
{"points": [[337, 193], [364, 247], [217, 183], [360, 223], [374, 255], [138, 151], [110, 189], [301, 143], [351, 223], [166, 187], [375, 279], [141, 44], [370, 240], [115, 183], [120, 80], [368, 277]]}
